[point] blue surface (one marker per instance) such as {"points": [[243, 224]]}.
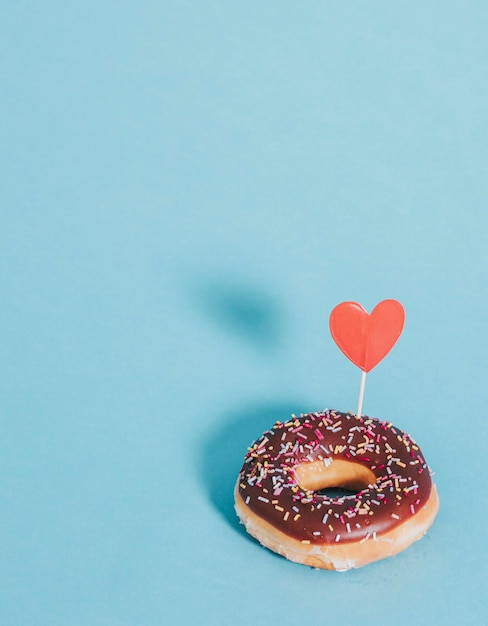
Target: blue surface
{"points": [[188, 188]]}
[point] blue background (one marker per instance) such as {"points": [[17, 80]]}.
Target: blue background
{"points": [[188, 188]]}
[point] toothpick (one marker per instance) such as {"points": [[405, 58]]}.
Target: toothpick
{"points": [[361, 393]]}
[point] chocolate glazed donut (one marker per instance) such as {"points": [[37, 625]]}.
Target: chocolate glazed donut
{"points": [[278, 498]]}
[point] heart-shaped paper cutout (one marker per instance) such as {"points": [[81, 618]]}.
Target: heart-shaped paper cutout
{"points": [[365, 338]]}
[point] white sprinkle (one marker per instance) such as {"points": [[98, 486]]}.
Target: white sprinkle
{"points": [[247, 499], [337, 538], [408, 489], [263, 499], [324, 519]]}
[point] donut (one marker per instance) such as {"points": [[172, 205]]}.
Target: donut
{"points": [[287, 496]]}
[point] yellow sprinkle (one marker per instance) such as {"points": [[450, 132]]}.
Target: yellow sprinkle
{"points": [[296, 517]]}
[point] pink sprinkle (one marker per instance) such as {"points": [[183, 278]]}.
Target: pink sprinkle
{"points": [[318, 434]]}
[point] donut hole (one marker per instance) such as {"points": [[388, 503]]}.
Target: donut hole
{"points": [[336, 478]]}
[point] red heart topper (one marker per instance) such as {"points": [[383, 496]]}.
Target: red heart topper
{"points": [[365, 338]]}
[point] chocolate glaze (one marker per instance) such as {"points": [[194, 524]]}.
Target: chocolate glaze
{"points": [[268, 483]]}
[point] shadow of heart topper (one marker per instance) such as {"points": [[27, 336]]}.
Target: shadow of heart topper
{"points": [[366, 338]]}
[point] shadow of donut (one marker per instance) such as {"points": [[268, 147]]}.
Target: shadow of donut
{"points": [[223, 453]]}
